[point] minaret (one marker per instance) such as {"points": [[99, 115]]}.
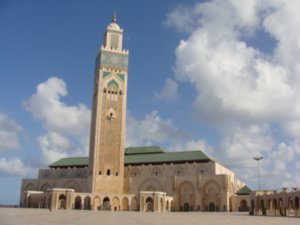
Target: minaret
{"points": [[106, 156]]}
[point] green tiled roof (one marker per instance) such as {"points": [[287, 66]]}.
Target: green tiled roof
{"points": [[71, 162], [166, 157], [244, 191], [144, 150], [141, 155]]}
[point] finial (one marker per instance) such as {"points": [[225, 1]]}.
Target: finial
{"points": [[114, 19]]}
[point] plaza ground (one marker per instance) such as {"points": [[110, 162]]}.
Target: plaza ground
{"points": [[16, 216]]}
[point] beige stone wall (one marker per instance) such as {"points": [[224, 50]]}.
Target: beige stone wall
{"points": [[240, 203], [273, 203], [194, 186]]}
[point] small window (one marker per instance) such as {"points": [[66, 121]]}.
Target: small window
{"points": [[117, 173], [100, 172], [108, 172]]}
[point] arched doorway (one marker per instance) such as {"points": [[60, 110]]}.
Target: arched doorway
{"points": [[97, 203], [77, 204], [106, 204], [62, 202], [212, 191], [275, 207], [125, 204], [115, 204], [186, 196], [186, 207], [262, 205], [211, 207], [252, 207], [281, 209], [296, 203], [87, 203], [134, 204], [149, 204], [243, 206]]}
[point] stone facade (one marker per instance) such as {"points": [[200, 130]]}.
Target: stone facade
{"points": [[147, 179], [274, 203], [178, 187]]}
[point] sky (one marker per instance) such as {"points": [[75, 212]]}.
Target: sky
{"points": [[217, 76]]}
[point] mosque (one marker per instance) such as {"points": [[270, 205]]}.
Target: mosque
{"points": [[147, 178]]}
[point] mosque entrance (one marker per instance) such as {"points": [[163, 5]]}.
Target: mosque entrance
{"points": [[78, 202], [106, 204], [211, 207], [149, 205], [62, 202], [186, 207]]}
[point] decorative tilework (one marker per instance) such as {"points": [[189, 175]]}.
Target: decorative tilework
{"points": [[105, 74], [122, 76], [113, 82], [115, 60]]}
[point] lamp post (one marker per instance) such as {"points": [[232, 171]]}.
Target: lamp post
{"points": [[258, 158]]}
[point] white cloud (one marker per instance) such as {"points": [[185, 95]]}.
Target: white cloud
{"points": [[46, 105], [292, 128], [193, 145], [181, 18], [279, 162], [232, 78], [67, 126], [53, 146], [168, 92], [242, 89], [150, 130], [10, 131], [14, 167], [242, 143]]}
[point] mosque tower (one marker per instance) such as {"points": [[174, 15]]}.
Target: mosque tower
{"points": [[106, 153]]}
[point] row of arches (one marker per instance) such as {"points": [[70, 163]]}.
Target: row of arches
{"points": [[72, 184], [177, 171], [188, 197], [289, 206], [115, 203]]}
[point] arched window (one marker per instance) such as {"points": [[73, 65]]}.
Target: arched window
{"points": [[108, 172]]}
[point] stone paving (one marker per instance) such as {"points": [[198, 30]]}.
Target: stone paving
{"points": [[13, 216]]}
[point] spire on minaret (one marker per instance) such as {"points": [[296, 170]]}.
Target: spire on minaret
{"points": [[114, 18]]}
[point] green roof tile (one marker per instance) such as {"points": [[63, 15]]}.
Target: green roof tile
{"points": [[244, 191], [71, 162], [144, 150], [142, 155], [166, 157]]}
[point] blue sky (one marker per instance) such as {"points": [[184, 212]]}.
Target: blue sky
{"points": [[215, 76]]}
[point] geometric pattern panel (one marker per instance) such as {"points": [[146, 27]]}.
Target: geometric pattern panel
{"points": [[115, 60]]}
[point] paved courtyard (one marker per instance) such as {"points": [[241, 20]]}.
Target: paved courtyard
{"points": [[11, 216]]}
